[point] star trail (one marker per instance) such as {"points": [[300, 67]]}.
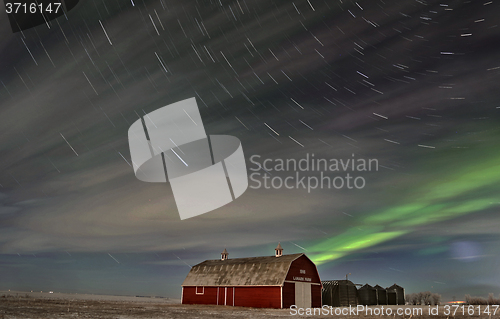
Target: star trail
{"points": [[413, 84]]}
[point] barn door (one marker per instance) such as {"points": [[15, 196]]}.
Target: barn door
{"points": [[303, 295], [225, 296]]}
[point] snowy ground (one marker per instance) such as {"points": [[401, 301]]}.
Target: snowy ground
{"points": [[56, 305]]}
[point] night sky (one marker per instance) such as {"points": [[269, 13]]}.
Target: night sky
{"points": [[412, 84]]}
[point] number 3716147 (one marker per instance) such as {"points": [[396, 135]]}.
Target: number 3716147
{"points": [[18, 7], [452, 310]]}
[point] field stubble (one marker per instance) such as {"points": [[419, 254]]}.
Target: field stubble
{"points": [[26, 306]]}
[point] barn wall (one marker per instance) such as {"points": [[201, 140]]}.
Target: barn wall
{"points": [[302, 270], [225, 296], [288, 294], [190, 297], [303, 263], [230, 298], [258, 297]]}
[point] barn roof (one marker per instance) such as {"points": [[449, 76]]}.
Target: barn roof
{"points": [[252, 271]]}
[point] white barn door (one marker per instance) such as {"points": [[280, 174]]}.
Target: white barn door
{"points": [[303, 295]]}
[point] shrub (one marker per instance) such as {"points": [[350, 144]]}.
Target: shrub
{"points": [[473, 300], [423, 298]]}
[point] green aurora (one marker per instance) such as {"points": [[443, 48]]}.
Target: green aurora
{"points": [[470, 189]]}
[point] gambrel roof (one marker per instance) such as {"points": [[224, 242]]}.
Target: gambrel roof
{"points": [[252, 271]]}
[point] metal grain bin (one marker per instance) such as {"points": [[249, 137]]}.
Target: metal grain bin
{"points": [[400, 294], [391, 297], [381, 295], [367, 295], [339, 293]]}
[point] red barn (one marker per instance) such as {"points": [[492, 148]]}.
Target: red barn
{"points": [[264, 282]]}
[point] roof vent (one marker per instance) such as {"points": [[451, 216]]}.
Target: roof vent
{"points": [[224, 254], [279, 250]]}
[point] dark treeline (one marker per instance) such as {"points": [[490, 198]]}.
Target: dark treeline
{"points": [[491, 300], [423, 298]]}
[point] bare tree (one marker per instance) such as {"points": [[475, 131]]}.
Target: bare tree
{"points": [[435, 299], [472, 300], [420, 297], [423, 298], [426, 295]]}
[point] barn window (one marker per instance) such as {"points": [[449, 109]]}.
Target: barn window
{"points": [[200, 290]]}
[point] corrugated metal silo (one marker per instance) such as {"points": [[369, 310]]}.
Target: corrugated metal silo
{"points": [[391, 297], [400, 294], [339, 293], [381, 295], [367, 295]]}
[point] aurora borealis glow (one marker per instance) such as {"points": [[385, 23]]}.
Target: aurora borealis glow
{"points": [[466, 190]]}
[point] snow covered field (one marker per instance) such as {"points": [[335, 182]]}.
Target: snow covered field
{"points": [[56, 305]]}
